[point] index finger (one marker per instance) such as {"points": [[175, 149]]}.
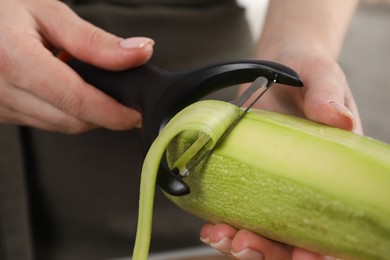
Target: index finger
{"points": [[56, 83]]}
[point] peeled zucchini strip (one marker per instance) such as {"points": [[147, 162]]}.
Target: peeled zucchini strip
{"points": [[211, 119]]}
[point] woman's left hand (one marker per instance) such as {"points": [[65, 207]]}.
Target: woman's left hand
{"points": [[245, 245], [325, 97]]}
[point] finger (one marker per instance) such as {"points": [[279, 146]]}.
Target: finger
{"points": [[57, 84], [218, 236], [205, 233], [8, 116], [325, 98], [87, 42], [20, 107], [247, 245], [302, 254], [351, 104]]}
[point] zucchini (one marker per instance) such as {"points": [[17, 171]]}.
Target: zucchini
{"points": [[283, 177]]}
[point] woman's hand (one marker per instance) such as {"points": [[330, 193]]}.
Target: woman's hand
{"points": [[307, 36], [245, 245], [39, 90], [325, 97]]}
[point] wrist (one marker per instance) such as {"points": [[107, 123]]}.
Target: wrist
{"points": [[305, 24], [271, 47]]}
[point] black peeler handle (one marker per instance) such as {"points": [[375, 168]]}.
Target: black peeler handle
{"points": [[159, 94]]}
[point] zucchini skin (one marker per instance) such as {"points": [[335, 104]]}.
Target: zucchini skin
{"points": [[297, 182]]}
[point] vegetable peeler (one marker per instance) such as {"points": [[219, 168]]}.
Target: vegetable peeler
{"points": [[159, 94]]}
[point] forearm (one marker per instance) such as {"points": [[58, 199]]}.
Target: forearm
{"points": [[306, 23]]}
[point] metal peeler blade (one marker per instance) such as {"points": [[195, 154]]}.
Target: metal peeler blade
{"points": [[260, 84], [159, 94]]}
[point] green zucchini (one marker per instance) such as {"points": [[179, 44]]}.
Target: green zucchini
{"points": [[283, 177]]}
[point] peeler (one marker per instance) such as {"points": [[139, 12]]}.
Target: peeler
{"points": [[158, 94]]}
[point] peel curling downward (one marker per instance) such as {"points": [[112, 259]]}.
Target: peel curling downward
{"points": [[209, 118]]}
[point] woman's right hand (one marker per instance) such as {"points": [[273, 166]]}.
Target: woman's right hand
{"points": [[39, 90]]}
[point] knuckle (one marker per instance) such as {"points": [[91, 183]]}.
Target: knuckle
{"points": [[95, 38], [76, 128], [5, 62], [71, 126], [71, 105], [95, 35]]}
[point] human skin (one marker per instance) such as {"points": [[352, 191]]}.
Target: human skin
{"points": [[39, 90], [307, 36], [309, 40]]}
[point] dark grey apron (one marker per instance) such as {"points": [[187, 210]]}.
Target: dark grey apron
{"points": [[76, 197]]}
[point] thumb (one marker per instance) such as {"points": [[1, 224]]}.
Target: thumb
{"points": [[90, 43], [328, 100]]}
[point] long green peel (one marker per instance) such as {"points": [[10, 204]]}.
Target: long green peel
{"points": [[211, 119], [286, 178]]}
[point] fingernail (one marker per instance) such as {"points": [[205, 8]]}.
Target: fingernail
{"points": [[331, 258], [205, 240], [224, 245], [248, 254], [343, 110], [136, 42]]}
